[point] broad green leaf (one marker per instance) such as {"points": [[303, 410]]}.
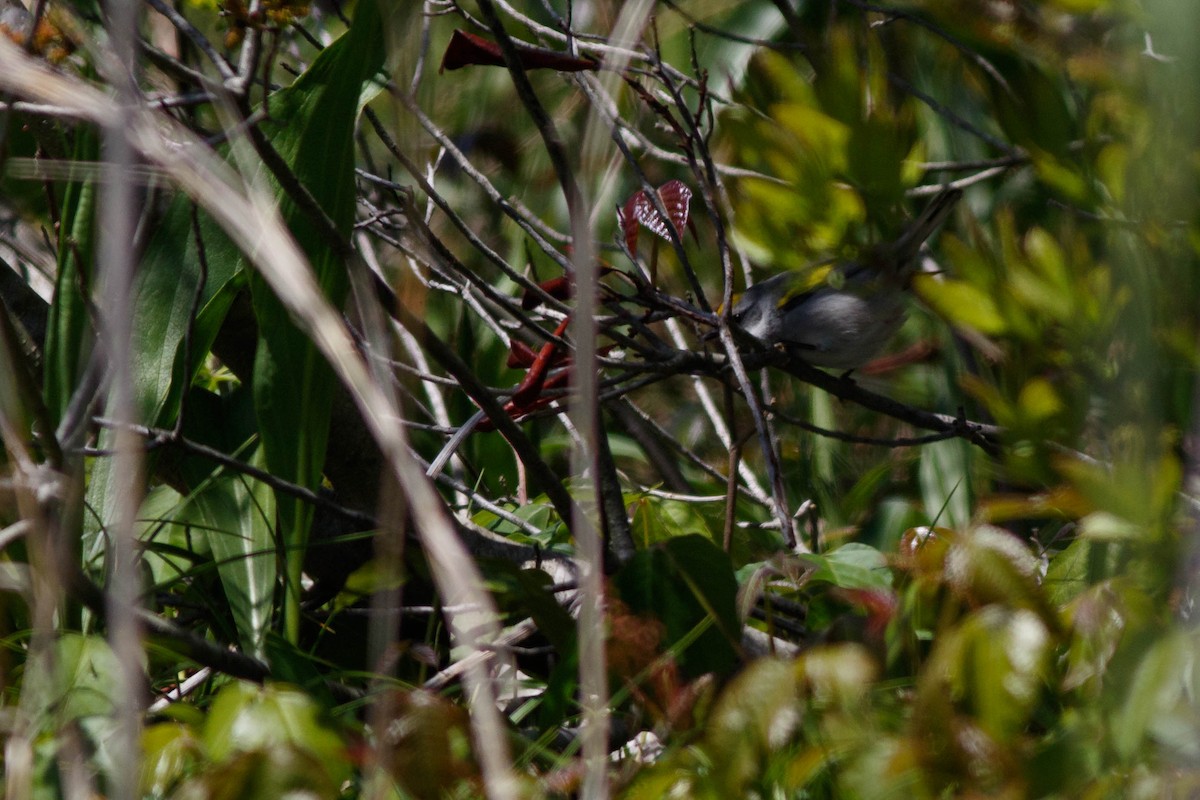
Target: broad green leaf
{"points": [[1048, 256], [292, 383], [82, 683], [1061, 174], [990, 565], [232, 513], [73, 685], [314, 135], [842, 81], [979, 556], [1137, 491], [1082, 564], [888, 769], [851, 566], [1103, 526], [823, 139], [676, 777], [1068, 758], [876, 154], [164, 292], [171, 752], [377, 575], [657, 520], [773, 76], [237, 514], [246, 719]]}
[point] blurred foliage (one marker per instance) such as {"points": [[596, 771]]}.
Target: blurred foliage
{"points": [[1015, 621]]}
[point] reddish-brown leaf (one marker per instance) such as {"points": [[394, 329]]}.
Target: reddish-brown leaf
{"points": [[639, 210], [520, 354], [558, 288], [467, 49], [556, 380], [535, 378]]}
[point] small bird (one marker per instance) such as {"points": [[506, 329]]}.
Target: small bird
{"points": [[841, 314]]}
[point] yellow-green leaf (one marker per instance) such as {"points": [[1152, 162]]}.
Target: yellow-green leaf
{"points": [[961, 303]]}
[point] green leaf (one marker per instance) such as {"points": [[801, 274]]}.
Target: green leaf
{"points": [[851, 566], [1033, 108], [1156, 691], [944, 474], [170, 753], [993, 669], [232, 512], [674, 777], [237, 514], [836, 675], [69, 334], [85, 685], [73, 685], [877, 151], [990, 565], [961, 303], [292, 387], [292, 384], [822, 139], [247, 719], [164, 292], [1039, 401], [657, 520], [759, 711], [1082, 564], [1006, 657]]}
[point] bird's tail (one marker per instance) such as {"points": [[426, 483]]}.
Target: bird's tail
{"points": [[903, 251]]}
